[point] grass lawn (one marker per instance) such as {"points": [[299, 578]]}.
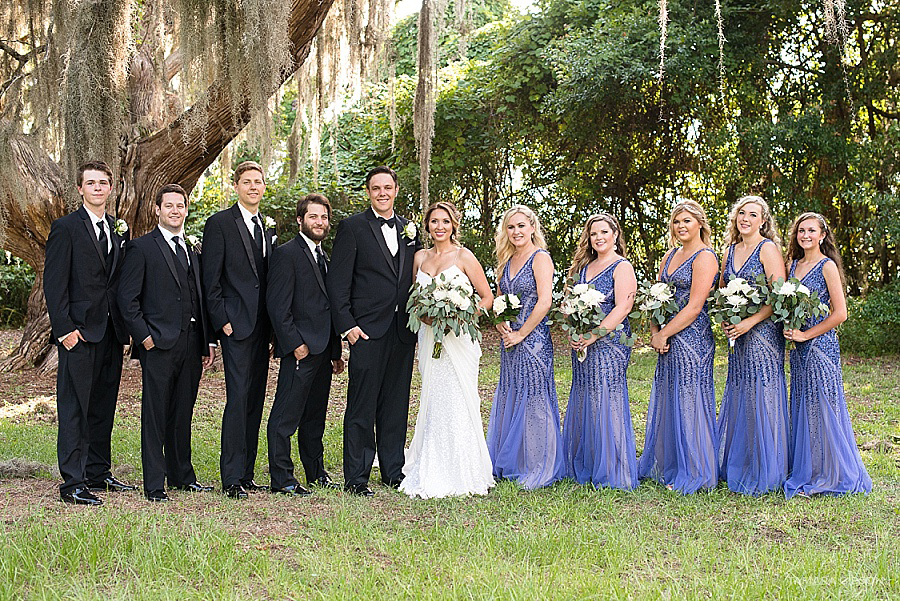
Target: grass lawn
{"points": [[564, 542]]}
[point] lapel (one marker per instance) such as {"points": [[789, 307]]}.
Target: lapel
{"points": [[92, 233], [245, 236], [195, 268], [116, 240], [401, 242], [304, 248], [379, 238], [268, 232], [167, 253]]}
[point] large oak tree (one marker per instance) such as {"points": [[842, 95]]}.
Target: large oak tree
{"points": [[106, 79]]}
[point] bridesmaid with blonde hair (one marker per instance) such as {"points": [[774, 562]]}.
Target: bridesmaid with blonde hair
{"points": [[680, 449], [523, 434], [753, 419]]}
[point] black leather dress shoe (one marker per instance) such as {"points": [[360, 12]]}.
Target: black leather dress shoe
{"points": [[110, 485], [235, 491], [193, 487], [324, 482], [157, 496], [395, 484], [294, 490], [80, 496], [360, 490], [252, 486]]}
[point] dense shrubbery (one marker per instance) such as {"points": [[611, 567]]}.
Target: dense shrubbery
{"points": [[16, 279], [873, 322]]}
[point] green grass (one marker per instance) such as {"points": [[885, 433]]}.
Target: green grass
{"points": [[565, 542]]}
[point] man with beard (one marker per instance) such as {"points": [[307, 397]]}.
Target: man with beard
{"points": [[309, 348]]}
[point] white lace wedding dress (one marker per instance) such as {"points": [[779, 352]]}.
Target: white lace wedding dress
{"points": [[448, 455]]}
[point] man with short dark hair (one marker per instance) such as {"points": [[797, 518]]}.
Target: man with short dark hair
{"points": [[237, 246], [309, 348], [81, 271], [161, 299], [369, 282]]}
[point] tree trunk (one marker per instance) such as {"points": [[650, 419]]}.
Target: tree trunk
{"points": [[145, 164]]}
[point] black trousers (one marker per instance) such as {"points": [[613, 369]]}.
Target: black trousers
{"points": [[301, 402], [171, 379], [377, 405], [246, 365], [87, 387]]}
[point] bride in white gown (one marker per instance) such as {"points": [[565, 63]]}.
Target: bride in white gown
{"points": [[448, 455]]}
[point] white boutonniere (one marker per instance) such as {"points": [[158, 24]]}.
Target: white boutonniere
{"points": [[409, 230], [192, 240], [120, 227], [270, 223]]}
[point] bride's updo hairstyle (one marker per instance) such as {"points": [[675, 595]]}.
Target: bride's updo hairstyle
{"points": [[451, 210]]}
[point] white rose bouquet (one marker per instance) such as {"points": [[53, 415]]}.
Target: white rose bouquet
{"points": [[738, 300], [506, 307], [449, 303], [793, 304], [577, 310], [655, 302]]}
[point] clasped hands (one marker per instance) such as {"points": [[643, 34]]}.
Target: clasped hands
{"points": [[509, 336]]}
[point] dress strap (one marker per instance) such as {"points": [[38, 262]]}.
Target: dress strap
{"points": [[669, 260]]}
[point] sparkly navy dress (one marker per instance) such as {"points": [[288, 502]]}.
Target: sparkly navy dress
{"points": [[825, 459], [753, 419], [598, 436], [523, 437], [680, 448]]}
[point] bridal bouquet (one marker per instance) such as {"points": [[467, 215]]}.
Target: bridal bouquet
{"points": [[577, 310], [506, 307], [737, 300], [793, 303], [655, 302], [449, 303]]}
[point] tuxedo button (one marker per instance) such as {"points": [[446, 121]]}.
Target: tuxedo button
{"points": [[257, 286]]}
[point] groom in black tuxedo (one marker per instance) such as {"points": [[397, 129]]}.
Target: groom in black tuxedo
{"points": [[162, 304], [369, 281], [309, 348], [81, 272], [237, 245]]}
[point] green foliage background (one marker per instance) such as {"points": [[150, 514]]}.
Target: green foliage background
{"points": [[561, 109]]}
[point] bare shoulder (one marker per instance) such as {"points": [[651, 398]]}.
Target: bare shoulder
{"points": [[707, 260], [771, 252], [624, 268], [830, 270], [542, 260]]}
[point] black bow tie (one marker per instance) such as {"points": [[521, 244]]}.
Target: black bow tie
{"points": [[388, 222]]}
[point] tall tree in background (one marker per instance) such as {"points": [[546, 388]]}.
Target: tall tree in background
{"points": [[107, 79]]}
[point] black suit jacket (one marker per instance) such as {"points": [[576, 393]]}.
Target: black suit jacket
{"points": [[150, 294], [230, 278], [297, 301], [80, 293], [364, 286]]}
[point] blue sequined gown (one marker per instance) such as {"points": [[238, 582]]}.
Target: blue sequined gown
{"points": [[680, 447], [753, 419], [824, 459], [598, 436], [524, 438]]}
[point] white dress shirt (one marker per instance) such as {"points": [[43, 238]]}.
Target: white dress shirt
{"points": [[248, 220], [313, 246], [390, 234], [169, 240], [101, 223]]}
